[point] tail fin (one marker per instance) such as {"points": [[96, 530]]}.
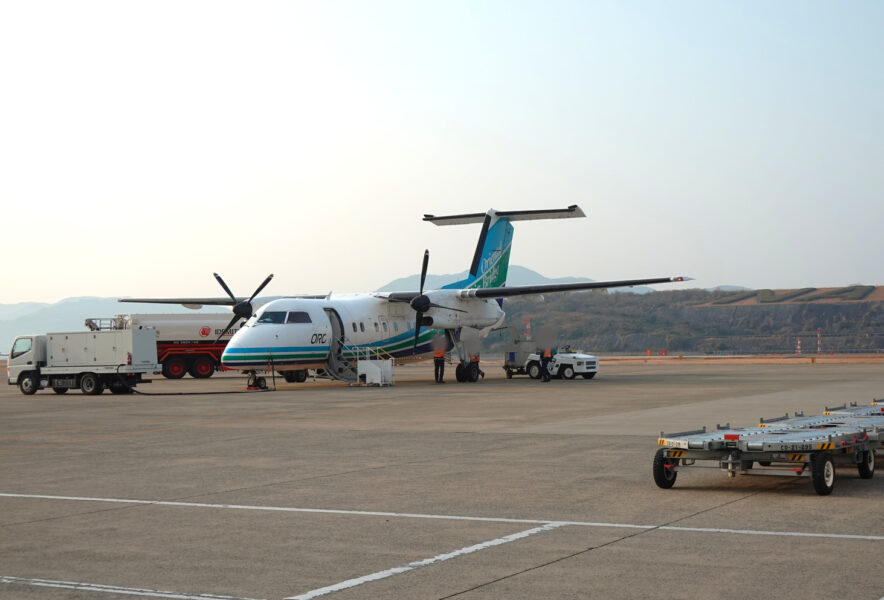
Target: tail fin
{"points": [[492, 257]]}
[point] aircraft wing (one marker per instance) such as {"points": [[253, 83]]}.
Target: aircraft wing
{"points": [[219, 301], [528, 290]]}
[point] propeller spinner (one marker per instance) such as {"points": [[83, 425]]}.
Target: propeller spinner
{"points": [[241, 309]]}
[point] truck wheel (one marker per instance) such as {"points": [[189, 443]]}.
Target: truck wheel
{"points": [[509, 373], [588, 375], [567, 372], [174, 368], [866, 464], [664, 473], [60, 390], [91, 384], [28, 384], [822, 472], [202, 368], [534, 370]]}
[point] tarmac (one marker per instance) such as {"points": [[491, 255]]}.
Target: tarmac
{"points": [[500, 489]]}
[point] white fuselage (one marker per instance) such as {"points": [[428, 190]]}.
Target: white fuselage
{"points": [[302, 333]]}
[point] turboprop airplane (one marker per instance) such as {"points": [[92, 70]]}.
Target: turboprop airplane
{"points": [[291, 334]]}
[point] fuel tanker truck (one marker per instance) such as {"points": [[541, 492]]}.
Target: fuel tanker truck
{"points": [[186, 343]]}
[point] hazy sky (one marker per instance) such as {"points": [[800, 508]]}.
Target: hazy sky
{"points": [[144, 145]]}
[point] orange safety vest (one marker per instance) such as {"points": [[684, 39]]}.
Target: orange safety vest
{"points": [[547, 353], [474, 358], [439, 354]]}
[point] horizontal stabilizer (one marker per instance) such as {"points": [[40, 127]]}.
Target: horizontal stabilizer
{"points": [[571, 212]]}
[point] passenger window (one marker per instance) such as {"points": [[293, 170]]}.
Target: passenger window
{"points": [[376, 327], [361, 326], [21, 346], [298, 316], [354, 326], [272, 317], [396, 326], [385, 327]]}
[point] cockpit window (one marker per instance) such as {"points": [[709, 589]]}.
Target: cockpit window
{"points": [[272, 316], [298, 316]]}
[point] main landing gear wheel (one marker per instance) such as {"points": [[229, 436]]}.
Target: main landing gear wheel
{"points": [[866, 464], [299, 376], [472, 372], [460, 373], [822, 472], [174, 368], [29, 384], [664, 470]]}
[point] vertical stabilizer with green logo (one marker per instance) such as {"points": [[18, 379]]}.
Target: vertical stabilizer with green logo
{"points": [[492, 257]]}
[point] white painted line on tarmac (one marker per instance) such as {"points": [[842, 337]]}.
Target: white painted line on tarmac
{"points": [[109, 589], [327, 511], [423, 563]]}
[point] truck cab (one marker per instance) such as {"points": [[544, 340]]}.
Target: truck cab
{"points": [[27, 354]]}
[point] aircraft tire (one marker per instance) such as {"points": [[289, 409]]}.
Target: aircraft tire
{"points": [[472, 373], [459, 373]]}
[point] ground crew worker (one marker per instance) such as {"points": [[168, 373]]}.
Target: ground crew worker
{"points": [[545, 357], [439, 363]]}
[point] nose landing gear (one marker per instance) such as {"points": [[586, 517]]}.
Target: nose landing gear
{"points": [[255, 383]]}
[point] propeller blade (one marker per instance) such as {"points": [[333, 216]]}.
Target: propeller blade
{"points": [[417, 331], [226, 329], [424, 270], [226, 289], [261, 287]]}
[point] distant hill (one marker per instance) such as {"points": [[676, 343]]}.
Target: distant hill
{"points": [[695, 321], [70, 314]]}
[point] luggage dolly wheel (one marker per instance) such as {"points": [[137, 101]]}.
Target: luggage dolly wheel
{"points": [[822, 472], [866, 464], [664, 469]]}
